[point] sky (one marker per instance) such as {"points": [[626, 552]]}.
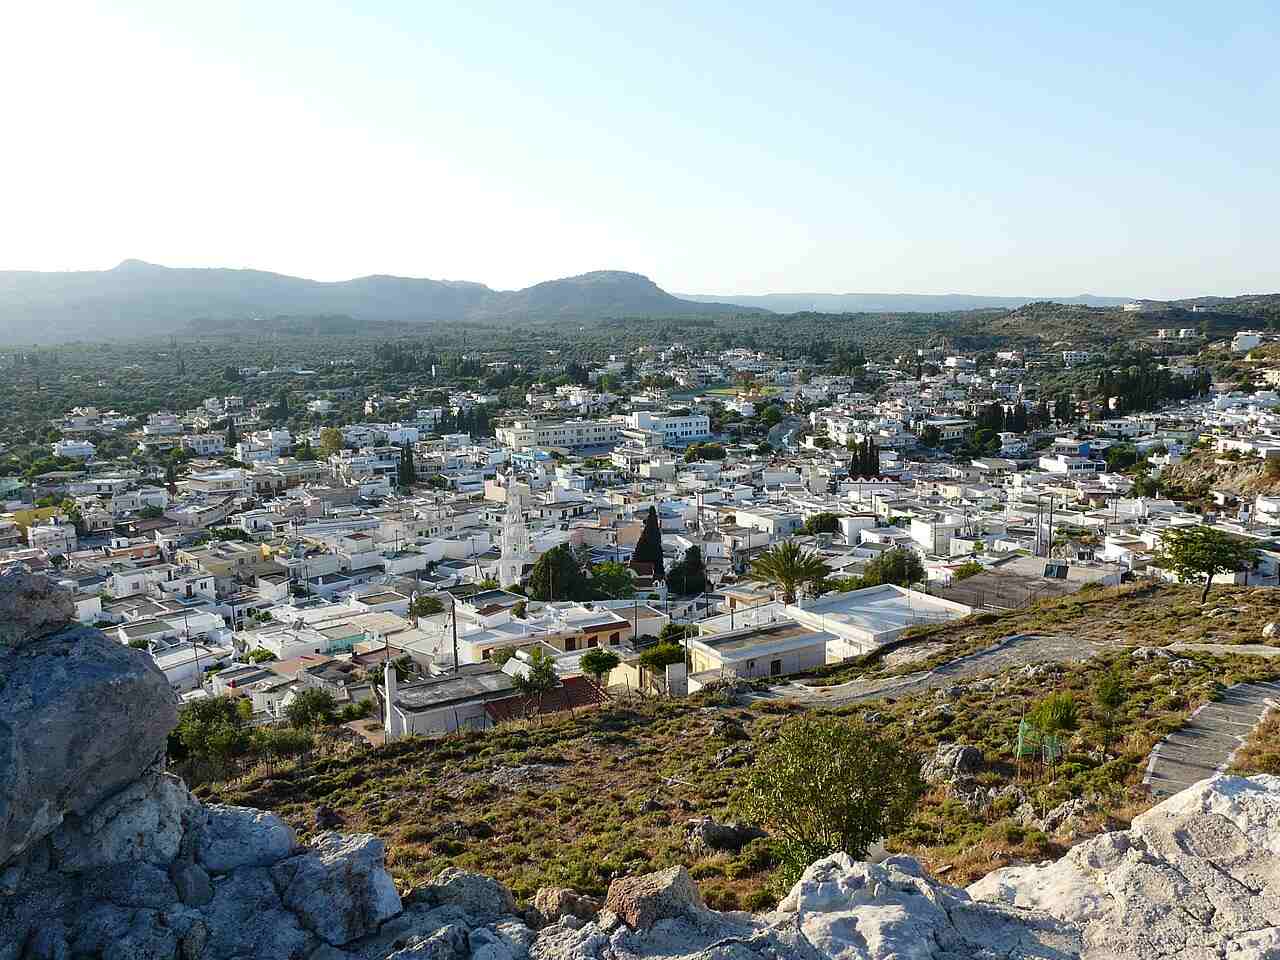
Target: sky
{"points": [[1015, 148]]}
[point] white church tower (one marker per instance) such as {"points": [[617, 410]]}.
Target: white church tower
{"points": [[515, 540]]}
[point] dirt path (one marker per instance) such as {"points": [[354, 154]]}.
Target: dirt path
{"points": [[1204, 744], [1012, 651]]}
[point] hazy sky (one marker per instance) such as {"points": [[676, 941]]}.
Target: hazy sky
{"points": [[1004, 148]]}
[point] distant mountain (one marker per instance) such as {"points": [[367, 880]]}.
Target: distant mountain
{"points": [[892, 302], [137, 299]]}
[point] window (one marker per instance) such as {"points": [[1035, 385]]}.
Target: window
{"points": [[488, 654], [571, 643], [775, 668]]}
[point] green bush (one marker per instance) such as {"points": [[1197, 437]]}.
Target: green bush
{"points": [[827, 785]]}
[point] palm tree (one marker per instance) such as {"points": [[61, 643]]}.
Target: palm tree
{"points": [[788, 567]]}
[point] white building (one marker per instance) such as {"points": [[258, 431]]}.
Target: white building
{"points": [[77, 449], [1245, 340]]}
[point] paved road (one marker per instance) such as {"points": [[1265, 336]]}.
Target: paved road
{"points": [[783, 432], [1227, 649], [1015, 651], [1204, 744]]}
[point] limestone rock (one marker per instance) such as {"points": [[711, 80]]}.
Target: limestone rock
{"points": [[705, 835], [1271, 630], [339, 889], [479, 897], [31, 607], [553, 903], [246, 919], [640, 902], [1197, 875], [143, 822], [952, 762], [81, 718], [233, 837]]}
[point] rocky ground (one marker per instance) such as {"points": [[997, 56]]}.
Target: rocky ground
{"points": [[102, 855]]}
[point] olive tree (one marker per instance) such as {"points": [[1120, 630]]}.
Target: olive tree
{"points": [[827, 785], [1199, 552]]}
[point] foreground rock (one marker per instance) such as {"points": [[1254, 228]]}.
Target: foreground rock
{"points": [[1196, 878], [58, 683]]}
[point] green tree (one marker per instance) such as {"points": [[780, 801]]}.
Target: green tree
{"points": [[658, 657], [827, 785], [689, 576], [408, 471], [558, 575], [599, 662], [648, 548], [538, 680], [898, 566], [1053, 716], [210, 732], [612, 581], [1109, 696], [1199, 552], [311, 708], [970, 568], [788, 567], [822, 523], [330, 441], [233, 435], [425, 606]]}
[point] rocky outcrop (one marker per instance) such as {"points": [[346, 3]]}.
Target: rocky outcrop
{"points": [[552, 904], [104, 855], [952, 763], [1196, 876], [640, 902], [58, 682]]}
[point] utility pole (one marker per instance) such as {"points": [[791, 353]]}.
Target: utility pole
{"points": [[453, 606]]}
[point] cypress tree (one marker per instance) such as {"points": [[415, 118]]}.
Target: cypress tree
{"points": [[648, 548]]}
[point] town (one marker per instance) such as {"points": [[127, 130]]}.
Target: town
{"points": [[262, 548]]}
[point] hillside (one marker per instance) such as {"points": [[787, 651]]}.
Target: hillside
{"points": [[139, 299], [612, 791]]}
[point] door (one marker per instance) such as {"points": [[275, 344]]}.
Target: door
{"points": [[775, 668]]}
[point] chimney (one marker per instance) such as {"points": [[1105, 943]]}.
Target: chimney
{"points": [[391, 721]]}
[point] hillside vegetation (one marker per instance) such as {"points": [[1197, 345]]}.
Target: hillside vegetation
{"points": [[578, 800]]}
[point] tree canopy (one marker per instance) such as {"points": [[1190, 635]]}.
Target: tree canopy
{"points": [[648, 548], [788, 567], [1200, 552], [827, 785]]}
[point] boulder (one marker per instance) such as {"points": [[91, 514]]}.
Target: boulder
{"points": [[642, 901], [704, 835], [551, 904], [143, 822], [232, 837], [1200, 870], [81, 718], [1270, 631], [952, 762], [247, 919], [339, 889], [31, 607], [479, 897]]}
